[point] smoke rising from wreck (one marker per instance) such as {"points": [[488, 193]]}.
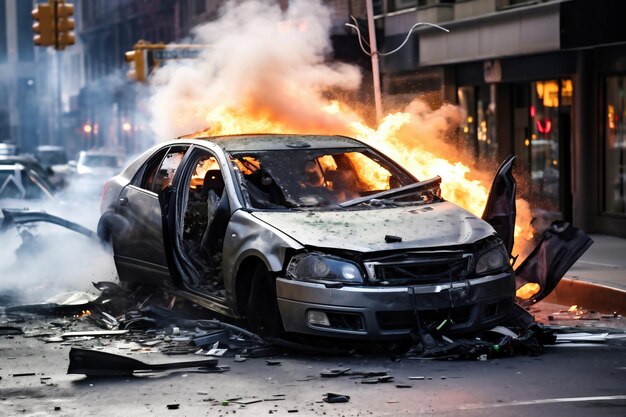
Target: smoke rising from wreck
{"points": [[266, 71], [261, 62]]}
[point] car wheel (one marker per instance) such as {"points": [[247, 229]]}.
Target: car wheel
{"points": [[262, 308]]}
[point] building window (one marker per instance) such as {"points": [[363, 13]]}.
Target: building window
{"points": [[3, 32], [200, 6], [25, 47], [615, 146]]}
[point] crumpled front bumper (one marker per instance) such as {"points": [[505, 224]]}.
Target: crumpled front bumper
{"points": [[389, 312]]}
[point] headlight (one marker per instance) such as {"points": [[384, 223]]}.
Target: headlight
{"points": [[319, 267], [494, 259]]}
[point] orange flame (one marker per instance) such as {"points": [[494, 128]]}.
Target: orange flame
{"points": [[526, 291], [413, 138]]}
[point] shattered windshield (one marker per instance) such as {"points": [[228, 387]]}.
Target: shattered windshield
{"points": [[317, 178]]}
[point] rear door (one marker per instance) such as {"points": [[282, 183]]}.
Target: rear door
{"points": [[139, 249]]}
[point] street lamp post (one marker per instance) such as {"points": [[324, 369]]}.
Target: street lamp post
{"points": [[378, 102]]}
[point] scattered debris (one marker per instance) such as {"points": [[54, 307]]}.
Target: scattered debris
{"points": [[333, 398], [377, 379], [10, 331], [94, 333], [13, 217], [272, 362], [173, 406], [97, 363]]}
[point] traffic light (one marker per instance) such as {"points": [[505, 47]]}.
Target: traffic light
{"points": [[54, 24], [137, 59], [44, 25], [64, 24]]}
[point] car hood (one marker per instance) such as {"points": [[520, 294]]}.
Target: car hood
{"points": [[434, 225]]}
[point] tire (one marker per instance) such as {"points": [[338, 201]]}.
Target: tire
{"points": [[262, 308]]}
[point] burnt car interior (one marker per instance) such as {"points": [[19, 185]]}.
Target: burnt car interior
{"points": [[318, 178], [206, 215]]}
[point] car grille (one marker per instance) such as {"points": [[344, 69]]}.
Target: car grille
{"points": [[420, 268]]}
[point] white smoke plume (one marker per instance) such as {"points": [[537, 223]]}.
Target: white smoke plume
{"points": [[260, 60], [40, 260]]}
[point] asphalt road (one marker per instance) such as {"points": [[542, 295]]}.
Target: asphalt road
{"points": [[568, 380]]}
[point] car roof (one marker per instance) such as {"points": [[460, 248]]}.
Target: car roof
{"points": [[12, 167], [262, 142], [47, 148]]}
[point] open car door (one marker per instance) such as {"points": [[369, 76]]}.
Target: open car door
{"points": [[500, 208], [560, 246], [196, 212]]}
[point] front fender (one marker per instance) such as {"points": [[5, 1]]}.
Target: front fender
{"points": [[248, 236]]}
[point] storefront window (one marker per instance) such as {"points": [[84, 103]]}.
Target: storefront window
{"points": [[479, 127], [545, 97], [615, 148]]}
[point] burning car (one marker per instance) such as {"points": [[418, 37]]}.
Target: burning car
{"points": [[317, 235]]}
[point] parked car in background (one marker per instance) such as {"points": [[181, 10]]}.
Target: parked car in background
{"points": [[8, 149], [54, 159], [20, 182], [316, 235], [99, 164], [50, 156], [53, 179]]}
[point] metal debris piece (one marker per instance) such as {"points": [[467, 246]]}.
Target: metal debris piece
{"points": [[239, 358], [94, 333], [417, 378], [173, 406], [272, 362], [246, 401], [10, 331], [377, 379], [96, 363], [24, 374], [15, 216], [211, 337], [335, 372], [404, 386], [334, 398]]}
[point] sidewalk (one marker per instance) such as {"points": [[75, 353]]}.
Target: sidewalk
{"points": [[597, 281]]}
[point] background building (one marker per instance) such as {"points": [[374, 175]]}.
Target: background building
{"points": [[544, 80]]}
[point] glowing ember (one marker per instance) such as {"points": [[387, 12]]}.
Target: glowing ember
{"points": [[573, 308], [84, 313], [526, 291]]}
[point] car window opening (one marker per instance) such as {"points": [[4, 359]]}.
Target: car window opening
{"points": [[204, 224], [315, 178]]}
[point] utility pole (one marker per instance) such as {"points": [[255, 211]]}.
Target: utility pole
{"points": [[378, 102]]}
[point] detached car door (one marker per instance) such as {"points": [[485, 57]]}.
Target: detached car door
{"points": [[139, 249]]}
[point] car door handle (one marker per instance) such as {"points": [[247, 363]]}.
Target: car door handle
{"points": [[124, 201]]}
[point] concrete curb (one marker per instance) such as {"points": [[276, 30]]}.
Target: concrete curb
{"points": [[589, 296]]}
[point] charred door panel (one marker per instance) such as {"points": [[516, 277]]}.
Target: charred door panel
{"points": [[500, 208], [140, 245]]}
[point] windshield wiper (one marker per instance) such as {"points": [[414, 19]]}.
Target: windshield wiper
{"points": [[397, 192]]}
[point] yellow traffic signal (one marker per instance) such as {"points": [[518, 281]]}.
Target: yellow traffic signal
{"points": [[137, 59], [64, 24], [44, 25]]}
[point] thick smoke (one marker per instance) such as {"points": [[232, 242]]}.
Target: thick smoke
{"points": [[39, 260], [261, 61], [267, 71]]}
